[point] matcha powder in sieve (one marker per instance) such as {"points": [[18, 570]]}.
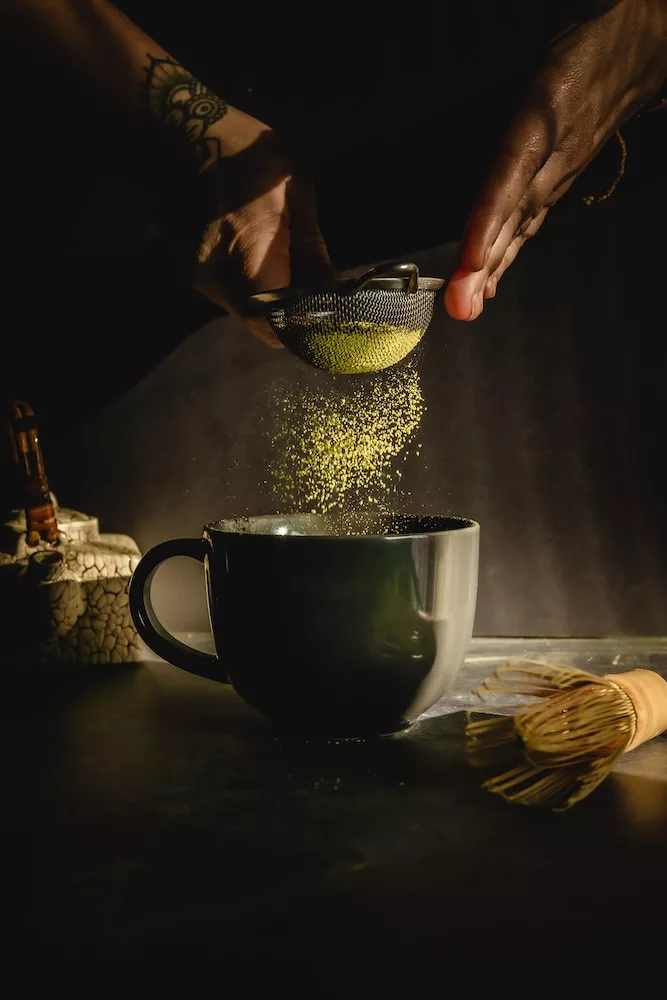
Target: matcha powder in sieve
{"points": [[339, 448], [353, 348]]}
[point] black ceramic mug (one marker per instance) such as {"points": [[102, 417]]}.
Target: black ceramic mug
{"points": [[329, 635]]}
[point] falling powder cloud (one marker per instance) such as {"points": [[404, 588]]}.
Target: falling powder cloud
{"points": [[339, 449]]}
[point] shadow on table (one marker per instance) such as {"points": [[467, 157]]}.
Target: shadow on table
{"points": [[160, 822]]}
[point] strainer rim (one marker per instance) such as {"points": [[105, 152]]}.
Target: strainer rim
{"points": [[278, 295]]}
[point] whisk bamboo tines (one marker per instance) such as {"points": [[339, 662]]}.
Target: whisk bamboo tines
{"points": [[555, 750]]}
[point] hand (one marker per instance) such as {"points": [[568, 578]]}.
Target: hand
{"points": [[262, 230], [229, 202], [598, 74], [241, 217]]}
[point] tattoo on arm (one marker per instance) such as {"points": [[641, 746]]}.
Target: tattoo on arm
{"points": [[182, 103]]}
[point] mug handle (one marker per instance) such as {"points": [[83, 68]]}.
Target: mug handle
{"points": [[146, 621]]}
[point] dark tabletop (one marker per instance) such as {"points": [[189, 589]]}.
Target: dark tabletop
{"points": [[156, 816]]}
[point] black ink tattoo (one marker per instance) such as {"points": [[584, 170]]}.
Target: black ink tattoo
{"points": [[181, 102]]}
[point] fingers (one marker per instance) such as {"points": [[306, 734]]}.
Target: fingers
{"points": [[524, 152], [465, 294], [536, 199], [520, 181], [512, 251], [250, 253], [257, 326], [281, 255], [272, 242], [467, 290], [310, 261], [504, 253], [260, 251]]}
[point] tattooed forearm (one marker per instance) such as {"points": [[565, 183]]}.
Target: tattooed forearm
{"points": [[181, 102]]}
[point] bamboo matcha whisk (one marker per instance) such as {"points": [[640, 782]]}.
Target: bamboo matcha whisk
{"points": [[554, 751]]}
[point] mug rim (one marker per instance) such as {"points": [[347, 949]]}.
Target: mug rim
{"points": [[458, 523]]}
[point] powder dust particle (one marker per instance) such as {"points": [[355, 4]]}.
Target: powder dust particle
{"points": [[340, 450]]}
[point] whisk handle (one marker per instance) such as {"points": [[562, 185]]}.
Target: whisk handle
{"points": [[648, 693]]}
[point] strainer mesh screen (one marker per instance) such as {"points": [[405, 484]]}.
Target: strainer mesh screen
{"points": [[363, 332]]}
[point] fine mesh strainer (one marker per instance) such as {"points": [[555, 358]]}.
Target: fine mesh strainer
{"points": [[354, 326]]}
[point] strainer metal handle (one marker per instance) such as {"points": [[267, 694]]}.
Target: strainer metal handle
{"points": [[403, 276], [406, 270]]}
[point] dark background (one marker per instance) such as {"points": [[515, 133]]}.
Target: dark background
{"points": [[545, 418]]}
